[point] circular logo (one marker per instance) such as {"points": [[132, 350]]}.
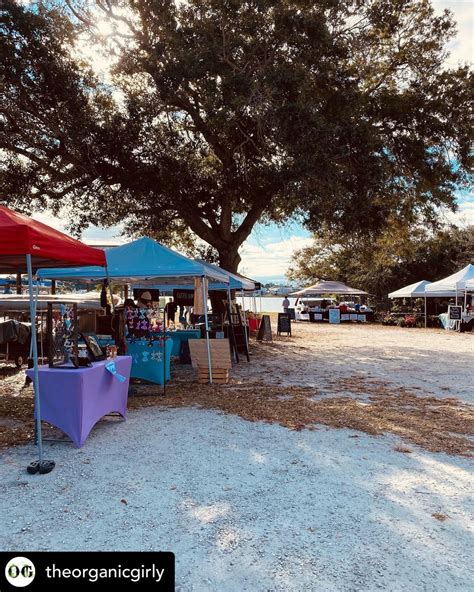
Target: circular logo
{"points": [[20, 572]]}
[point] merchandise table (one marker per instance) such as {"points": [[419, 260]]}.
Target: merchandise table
{"points": [[182, 335], [323, 315], [75, 399], [148, 358]]}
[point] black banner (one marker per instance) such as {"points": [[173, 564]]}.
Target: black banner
{"points": [[87, 571], [155, 294], [183, 297]]}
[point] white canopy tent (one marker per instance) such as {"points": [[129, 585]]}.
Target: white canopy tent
{"points": [[452, 286], [329, 287], [416, 290]]}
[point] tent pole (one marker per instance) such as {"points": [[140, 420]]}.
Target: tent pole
{"points": [[35, 359], [229, 298], [245, 319], [425, 312], [204, 295], [110, 289]]}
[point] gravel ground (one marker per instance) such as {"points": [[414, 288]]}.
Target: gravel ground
{"points": [[253, 506], [248, 506], [433, 362]]}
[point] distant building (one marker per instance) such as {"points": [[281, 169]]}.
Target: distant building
{"points": [[280, 290]]}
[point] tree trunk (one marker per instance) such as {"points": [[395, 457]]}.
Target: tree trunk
{"points": [[229, 258]]}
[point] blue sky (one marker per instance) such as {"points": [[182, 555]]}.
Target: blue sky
{"points": [[267, 253]]}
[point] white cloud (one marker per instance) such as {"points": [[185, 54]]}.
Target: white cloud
{"points": [[272, 259], [461, 48], [464, 216], [92, 236]]}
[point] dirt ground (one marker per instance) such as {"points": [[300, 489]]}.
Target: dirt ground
{"points": [[414, 383], [337, 460]]}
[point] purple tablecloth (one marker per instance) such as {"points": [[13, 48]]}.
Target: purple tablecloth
{"points": [[74, 400]]}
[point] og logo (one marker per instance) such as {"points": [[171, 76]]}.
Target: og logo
{"points": [[20, 572]]}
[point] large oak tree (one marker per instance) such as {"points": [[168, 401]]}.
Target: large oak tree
{"points": [[218, 114]]}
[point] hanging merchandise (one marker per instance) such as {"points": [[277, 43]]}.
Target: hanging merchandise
{"points": [[198, 295], [62, 335]]}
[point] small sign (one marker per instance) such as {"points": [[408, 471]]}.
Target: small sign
{"points": [[361, 318], [183, 297], [265, 329], [345, 317], [353, 316], [284, 323], [155, 294], [220, 335], [318, 316], [334, 316], [454, 313]]}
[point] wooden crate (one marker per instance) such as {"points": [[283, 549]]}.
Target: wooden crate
{"points": [[219, 375], [221, 361]]}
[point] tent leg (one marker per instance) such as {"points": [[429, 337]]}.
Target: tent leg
{"points": [[42, 466], [204, 296], [246, 337], [425, 313], [229, 297], [112, 306]]}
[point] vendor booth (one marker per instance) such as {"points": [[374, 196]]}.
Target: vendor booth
{"points": [[146, 263], [315, 304], [26, 245], [455, 287], [416, 290], [240, 328]]}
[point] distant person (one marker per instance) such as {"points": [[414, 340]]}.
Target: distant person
{"points": [[286, 304], [171, 308], [7, 289]]}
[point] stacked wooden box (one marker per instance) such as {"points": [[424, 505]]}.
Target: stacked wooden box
{"points": [[221, 361]]}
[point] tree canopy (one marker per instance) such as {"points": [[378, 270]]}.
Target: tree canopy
{"points": [[218, 114], [400, 256]]}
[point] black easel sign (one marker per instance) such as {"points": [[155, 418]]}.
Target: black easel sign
{"points": [[454, 313], [284, 323], [265, 329]]}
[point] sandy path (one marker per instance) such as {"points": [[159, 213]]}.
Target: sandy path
{"points": [[432, 362], [249, 506]]}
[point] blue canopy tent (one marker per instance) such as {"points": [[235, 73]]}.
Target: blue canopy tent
{"points": [[149, 263], [235, 281]]}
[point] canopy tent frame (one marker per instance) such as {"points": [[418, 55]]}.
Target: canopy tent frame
{"points": [[119, 270], [24, 240]]}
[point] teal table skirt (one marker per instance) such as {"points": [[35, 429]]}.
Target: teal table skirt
{"points": [[179, 336], [148, 358]]}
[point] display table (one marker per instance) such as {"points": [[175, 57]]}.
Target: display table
{"points": [[148, 359], [323, 316], [182, 335], [75, 399], [466, 324]]}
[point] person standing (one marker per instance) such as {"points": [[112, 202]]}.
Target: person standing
{"points": [[286, 305]]}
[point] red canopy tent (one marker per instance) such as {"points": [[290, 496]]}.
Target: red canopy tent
{"points": [[20, 236], [25, 245]]}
